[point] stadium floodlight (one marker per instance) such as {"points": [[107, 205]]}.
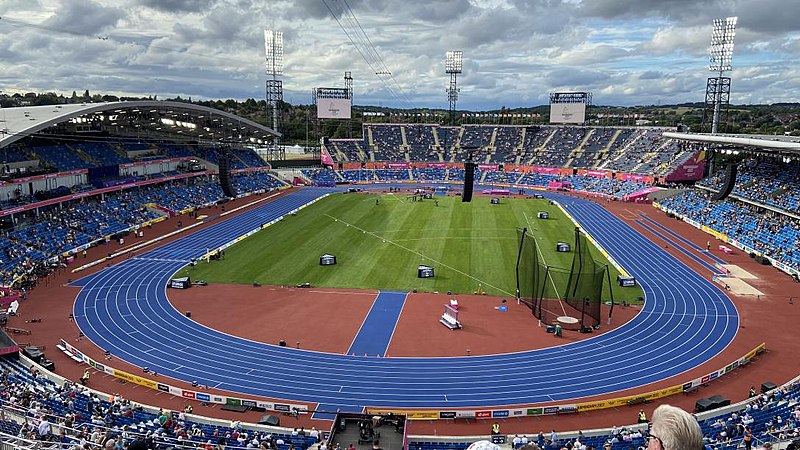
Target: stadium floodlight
{"points": [[721, 50], [273, 44], [453, 61], [718, 89]]}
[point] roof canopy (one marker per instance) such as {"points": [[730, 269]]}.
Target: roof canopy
{"points": [[134, 119], [780, 144]]}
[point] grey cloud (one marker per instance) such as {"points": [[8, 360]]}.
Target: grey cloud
{"points": [[183, 6], [485, 27], [575, 78], [84, 17], [651, 75], [768, 16], [647, 51], [17, 5], [678, 9]]}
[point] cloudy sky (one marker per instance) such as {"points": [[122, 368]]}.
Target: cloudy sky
{"points": [[627, 52]]}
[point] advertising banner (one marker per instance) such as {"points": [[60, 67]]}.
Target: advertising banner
{"points": [[690, 170]]}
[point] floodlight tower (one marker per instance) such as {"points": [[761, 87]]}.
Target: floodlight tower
{"points": [[273, 45], [453, 63], [718, 89], [348, 84]]}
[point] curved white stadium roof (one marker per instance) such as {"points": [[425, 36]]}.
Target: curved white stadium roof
{"points": [[21, 122], [768, 142]]}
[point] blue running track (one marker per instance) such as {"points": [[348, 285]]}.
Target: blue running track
{"points": [[684, 322], [678, 247], [688, 243], [378, 327]]}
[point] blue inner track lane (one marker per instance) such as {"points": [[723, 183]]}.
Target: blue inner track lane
{"points": [[685, 321]]}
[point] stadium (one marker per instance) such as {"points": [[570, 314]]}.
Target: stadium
{"points": [[165, 282]]}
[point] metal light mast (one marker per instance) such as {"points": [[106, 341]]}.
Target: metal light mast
{"points": [[453, 63], [273, 45], [718, 89], [348, 84]]}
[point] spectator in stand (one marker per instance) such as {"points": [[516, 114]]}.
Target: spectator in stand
{"points": [[674, 429]]}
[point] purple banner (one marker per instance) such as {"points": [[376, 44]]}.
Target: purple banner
{"points": [[691, 170], [596, 173], [547, 170]]}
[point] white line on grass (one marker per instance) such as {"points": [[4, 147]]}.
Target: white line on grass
{"points": [[429, 230], [419, 254], [453, 237]]}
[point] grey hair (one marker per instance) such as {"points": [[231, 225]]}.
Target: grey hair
{"points": [[677, 429]]}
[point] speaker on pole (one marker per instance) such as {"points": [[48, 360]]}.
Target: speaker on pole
{"points": [[225, 175], [469, 181], [729, 182]]}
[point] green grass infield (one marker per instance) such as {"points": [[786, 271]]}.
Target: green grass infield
{"points": [[380, 239]]}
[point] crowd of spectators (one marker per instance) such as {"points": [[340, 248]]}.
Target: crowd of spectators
{"points": [[387, 142], [69, 416], [598, 140], [611, 187], [506, 141], [73, 417], [429, 174], [350, 148], [38, 237], [85, 155], [322, 177], [535, 137], [775, 235], [560, 146], [421, 143], [620, 149], [448, 137], [647, 152], [768, 181]]}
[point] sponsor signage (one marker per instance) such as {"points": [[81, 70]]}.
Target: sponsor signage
{"points": [[447, 414], [500, 413], [483, 414], [415, 415]]}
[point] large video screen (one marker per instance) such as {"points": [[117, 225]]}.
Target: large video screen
{"points": [[333, 108], [567, 112]]}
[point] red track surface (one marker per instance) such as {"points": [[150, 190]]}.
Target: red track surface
{"points": [[331, 320]]}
